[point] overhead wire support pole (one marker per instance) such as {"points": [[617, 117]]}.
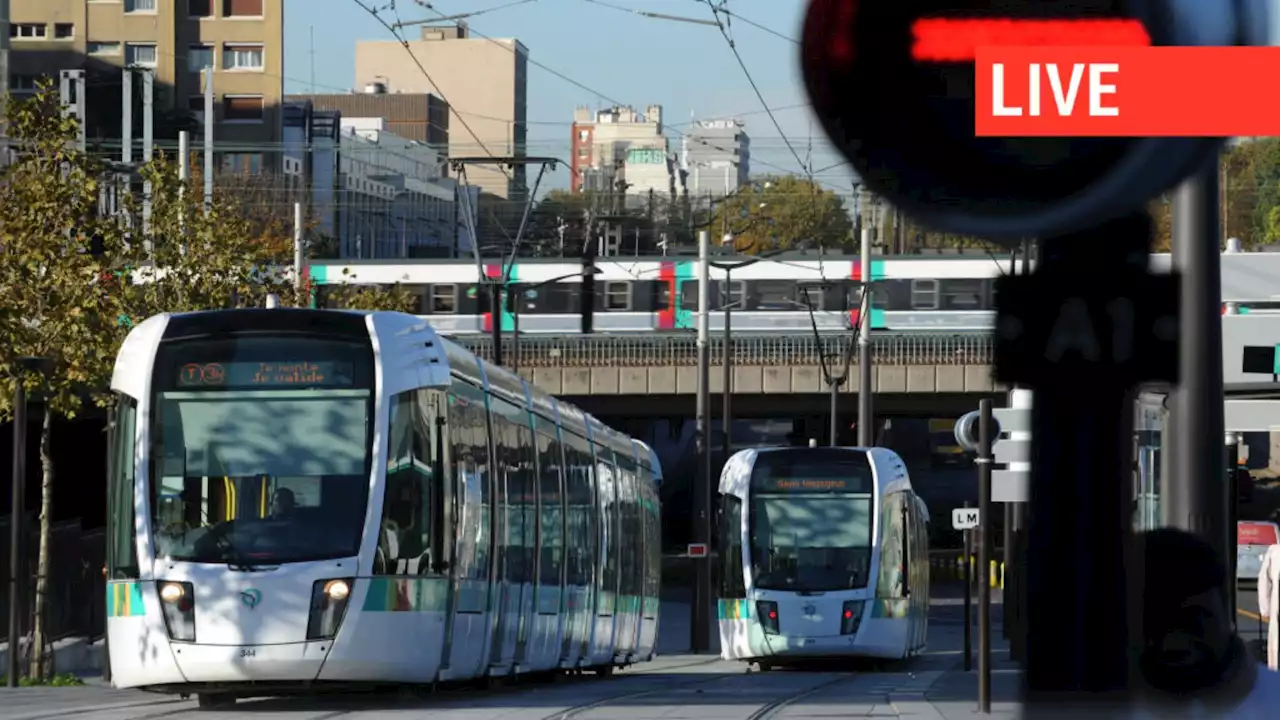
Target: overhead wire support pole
{"points": [[1190, 498], [701, 620], [984, 460], [866, 438]]}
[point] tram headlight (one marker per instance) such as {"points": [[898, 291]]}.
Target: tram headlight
{"points": [[851, 617], [768, 612], [178, 603], [328, 606]]}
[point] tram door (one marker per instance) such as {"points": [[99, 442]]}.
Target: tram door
{"points": [[607, 579], [508, 531]]}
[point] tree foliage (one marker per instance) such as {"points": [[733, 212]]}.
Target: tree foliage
{"points": [[75, 281], [780, 213], [353, 296]]}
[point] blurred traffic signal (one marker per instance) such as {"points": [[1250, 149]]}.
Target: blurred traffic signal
{"points": [[893, 84]]}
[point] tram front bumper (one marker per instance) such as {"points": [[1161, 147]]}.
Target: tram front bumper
{"points": [[800, 646], [287, 662]]}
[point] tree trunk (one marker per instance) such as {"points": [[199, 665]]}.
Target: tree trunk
{"points": [[41, 664]]}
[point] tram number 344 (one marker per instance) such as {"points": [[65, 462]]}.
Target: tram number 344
{"points": [[248, 652]]}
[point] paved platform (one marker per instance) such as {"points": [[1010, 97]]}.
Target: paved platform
{"points": [[674, 686]]}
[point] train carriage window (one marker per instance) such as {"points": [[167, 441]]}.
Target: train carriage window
{"points": [[444, 299], [662, 295], [775, 295], [689, 294], [924, 294], [815, 295], [962, 294], [617, 296], [732, 582], [404, 539], [122, 548], [737, 293]]}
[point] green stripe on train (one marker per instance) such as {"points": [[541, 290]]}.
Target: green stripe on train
{"points": [[124, 599], [508, 320], [393, 594], [877, 319], [877, 269], [733, 609], [685, 319]]}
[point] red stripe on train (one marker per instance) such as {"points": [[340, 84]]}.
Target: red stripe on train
{"points": [[492, 272], [856, 276], [667, 315]]}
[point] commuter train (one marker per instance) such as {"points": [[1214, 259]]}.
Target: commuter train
{"points": [[824, 553], [304, 498], [913, 293]]}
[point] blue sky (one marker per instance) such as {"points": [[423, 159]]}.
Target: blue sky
{"points": [[623, 57]]}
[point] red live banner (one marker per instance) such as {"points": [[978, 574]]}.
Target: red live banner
{"points": [[1126, 91]]}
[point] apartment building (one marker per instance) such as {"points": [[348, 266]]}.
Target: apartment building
{"points": [[485, 82], [243, 40], [620, 149], [421, 117], [717, 155]]}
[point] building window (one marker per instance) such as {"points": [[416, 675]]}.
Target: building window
{"points": [[139, 5], [242, 8], [242, 108], [195, 106], [199, 8], [64, 31], [23, 84], [199, 57], [28, 31], [102, 48], [250, 163], [144, 55], [242, 57]]}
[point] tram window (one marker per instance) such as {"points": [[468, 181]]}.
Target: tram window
{"points": [[893, 547], [524, 505], [404, 538], [617, 296], [732, 582], [468, 435], [550, 521], [581, 548], [606, 479], [444, 299], [122, 548], [628, 539], [924, 294]]}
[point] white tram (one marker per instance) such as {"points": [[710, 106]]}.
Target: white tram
{"points": [[823, 552], [305, 498]]}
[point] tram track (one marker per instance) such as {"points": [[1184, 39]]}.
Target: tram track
{"points": [[771, 709]]}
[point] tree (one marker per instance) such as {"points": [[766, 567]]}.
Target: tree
{"points": [[782, 212], [51, 304], [353, 296]]}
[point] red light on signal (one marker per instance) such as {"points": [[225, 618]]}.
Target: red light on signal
{"points": [[773, 614], [848, 614], [951, 40]]}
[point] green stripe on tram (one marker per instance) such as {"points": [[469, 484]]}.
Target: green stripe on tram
{"points": [[733, 609], [124, 599], [393, 594]]}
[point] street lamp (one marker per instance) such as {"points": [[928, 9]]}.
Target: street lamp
{"points": [[26, 365], [514, 291]]}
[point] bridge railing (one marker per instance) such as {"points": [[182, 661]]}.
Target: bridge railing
{"points": [[759, 350]]}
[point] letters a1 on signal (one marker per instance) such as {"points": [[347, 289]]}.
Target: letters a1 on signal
{"points": [[1015, 94]]}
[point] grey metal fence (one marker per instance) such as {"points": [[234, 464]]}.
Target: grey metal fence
{"points": [[77, 591], [760, 350]]}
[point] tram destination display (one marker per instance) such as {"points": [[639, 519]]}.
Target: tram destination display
{"points": [[818, 470], [266, 375]]}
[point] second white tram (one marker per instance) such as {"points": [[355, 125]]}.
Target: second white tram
{"points": [[302, 497], [823, 552]]}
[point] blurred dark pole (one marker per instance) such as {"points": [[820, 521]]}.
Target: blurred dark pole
{"points": [[16, 529]]}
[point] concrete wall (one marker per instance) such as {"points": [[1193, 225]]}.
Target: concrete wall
{"points": [[756, 380]]}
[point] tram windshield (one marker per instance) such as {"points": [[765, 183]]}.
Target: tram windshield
{"points": [[811, 517], [260, 461]]}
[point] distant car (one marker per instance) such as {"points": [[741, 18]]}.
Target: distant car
{"points": [[1252, 540]]}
